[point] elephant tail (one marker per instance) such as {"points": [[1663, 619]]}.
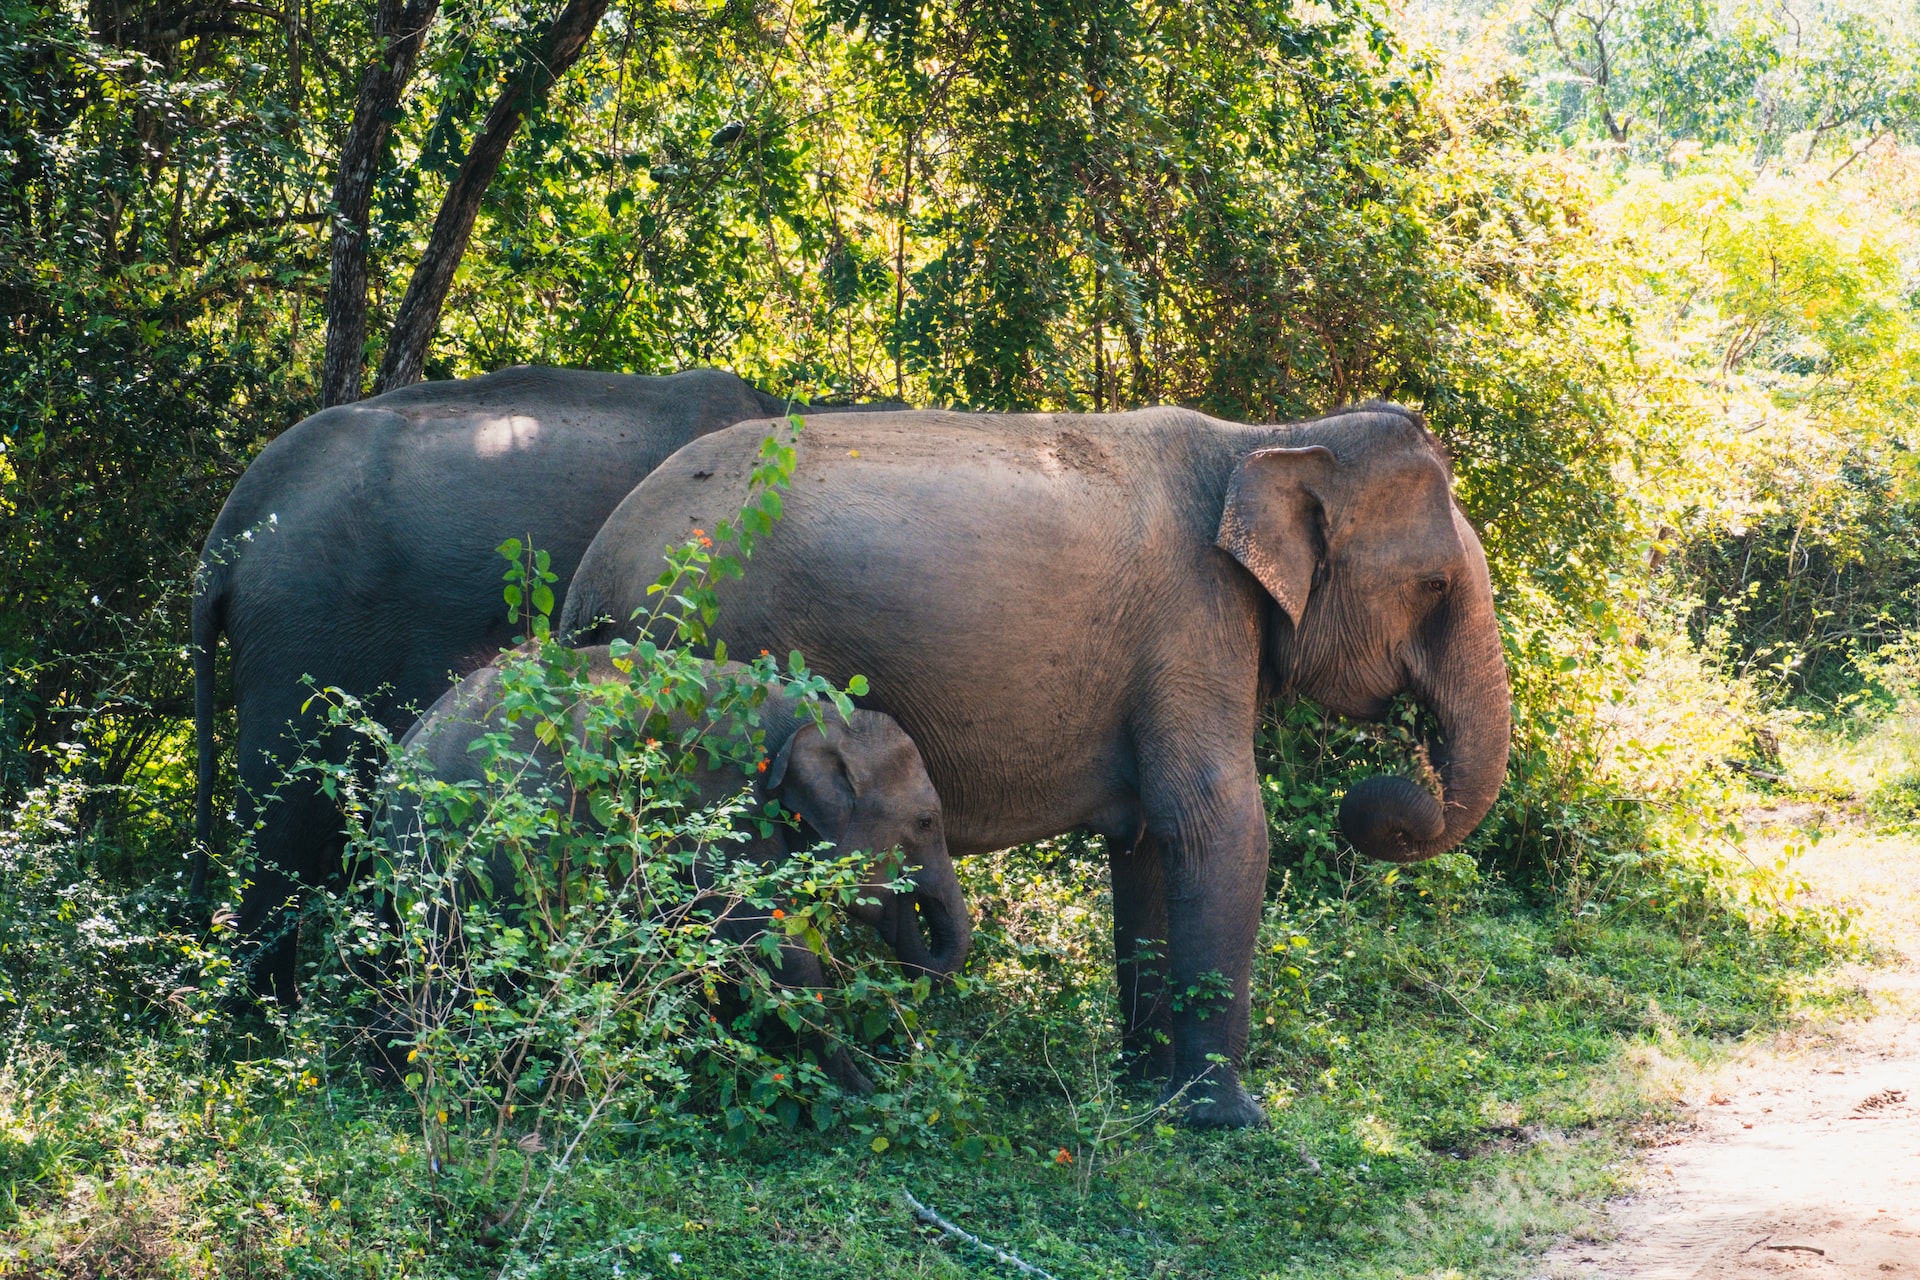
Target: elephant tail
{"points": [[209, 600], [584, 616]]}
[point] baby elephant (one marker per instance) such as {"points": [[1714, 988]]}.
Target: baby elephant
{"points": [[857, 784]]}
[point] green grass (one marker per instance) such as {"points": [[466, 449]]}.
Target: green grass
{"points": [[1452, 1085]]}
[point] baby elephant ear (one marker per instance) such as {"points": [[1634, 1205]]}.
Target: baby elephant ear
{"points": [[809, 777], [1273, 522]]}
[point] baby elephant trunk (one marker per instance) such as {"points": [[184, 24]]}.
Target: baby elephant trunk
{"points": [[942, 909], [936, 906]]}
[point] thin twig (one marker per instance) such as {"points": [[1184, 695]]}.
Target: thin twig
{"points": [[1868, 146], [1437, 988], [931, 1218]]}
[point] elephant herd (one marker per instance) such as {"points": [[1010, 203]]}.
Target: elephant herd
{"points": [[1067, 622]]}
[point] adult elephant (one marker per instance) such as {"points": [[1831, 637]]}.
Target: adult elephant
{"points": [[1078, 620], [358, 550]]}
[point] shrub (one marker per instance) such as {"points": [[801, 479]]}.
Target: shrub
{"points": [[80, 955]]}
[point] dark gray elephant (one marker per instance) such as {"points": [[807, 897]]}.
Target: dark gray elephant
{"points": [[1078, 619], [359, 550], [858, 784]]}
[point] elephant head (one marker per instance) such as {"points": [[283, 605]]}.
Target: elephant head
{"points": [[1382, 588], [861, 785]]}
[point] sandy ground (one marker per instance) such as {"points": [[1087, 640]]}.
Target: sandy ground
{"points": [[1802, 1154]]}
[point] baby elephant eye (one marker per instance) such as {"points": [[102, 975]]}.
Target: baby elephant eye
{"points": [[925, 824]]}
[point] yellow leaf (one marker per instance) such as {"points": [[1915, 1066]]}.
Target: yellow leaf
{"points": [[880, 1144]]}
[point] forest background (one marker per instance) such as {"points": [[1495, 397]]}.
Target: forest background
{"points": [[1652, 271]]}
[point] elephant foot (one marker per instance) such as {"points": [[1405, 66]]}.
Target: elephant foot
{"points": [[1216, 1104], [840, 1069]]}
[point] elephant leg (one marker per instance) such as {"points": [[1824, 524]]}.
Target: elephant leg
{"points": [[1140, 956], [801, 970], [269, 931], [1214, 859], [296, 840]]}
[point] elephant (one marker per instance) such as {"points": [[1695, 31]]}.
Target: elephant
{"points": [[358, 550], [858, 784], [1079, 620]]}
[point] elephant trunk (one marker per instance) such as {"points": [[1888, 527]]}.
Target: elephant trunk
{"points": [[1396, 820], [938, 902]]}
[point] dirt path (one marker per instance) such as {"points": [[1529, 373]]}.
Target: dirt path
{"points": [[1803, 1153]]}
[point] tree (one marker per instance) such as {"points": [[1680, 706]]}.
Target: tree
{"points": [[1651, 73], [524, 92], [1587, 36], [400, 29]]}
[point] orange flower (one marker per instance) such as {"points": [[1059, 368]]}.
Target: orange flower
{"points": [[778, 914], [1063, 1156], [762, 766], [779, 1075], [765, 654]]}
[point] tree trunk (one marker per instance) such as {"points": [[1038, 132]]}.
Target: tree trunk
{"points": [[419, 316], [401, 30]]}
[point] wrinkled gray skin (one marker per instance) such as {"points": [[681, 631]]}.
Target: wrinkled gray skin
{"points": [[1079, 619], [858, 784], [359, 549]]}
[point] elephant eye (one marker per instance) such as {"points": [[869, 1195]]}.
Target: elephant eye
{"points": [[1437, 584], [925, 824]]}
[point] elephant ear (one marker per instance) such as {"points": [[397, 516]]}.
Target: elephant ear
{"points": [[1273, 523], [810, 777]]}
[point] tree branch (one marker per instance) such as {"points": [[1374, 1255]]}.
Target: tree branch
{"points": [[928, 1216], [401, 29], [419, 315], [251, 222], [1864, 148]]}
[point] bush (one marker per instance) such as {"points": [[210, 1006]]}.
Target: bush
{"points": [[81, 956]]}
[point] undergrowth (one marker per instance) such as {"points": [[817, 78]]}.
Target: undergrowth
{"points": [[1442, 1056]]}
